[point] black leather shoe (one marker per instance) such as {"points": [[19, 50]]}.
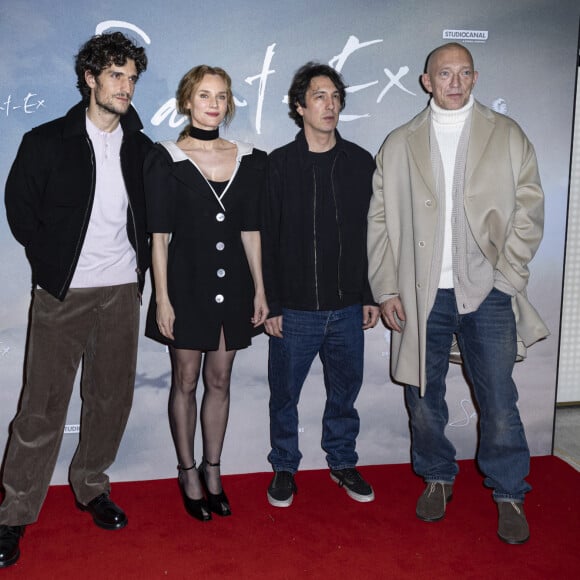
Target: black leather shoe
{"points": [[106, 514], [9, 539]]}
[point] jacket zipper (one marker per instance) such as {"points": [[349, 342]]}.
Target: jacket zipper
{"points": [[338, 278], [84, 225], [315, 244], [138, 269]]}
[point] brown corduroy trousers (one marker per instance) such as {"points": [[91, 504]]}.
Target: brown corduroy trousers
{"points": [[100, 327]]}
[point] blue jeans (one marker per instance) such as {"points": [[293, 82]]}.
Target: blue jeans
{"points": [[337, 337], [488, 344]]}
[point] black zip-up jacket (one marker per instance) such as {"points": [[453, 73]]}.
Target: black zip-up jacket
{"points": [[50, 192], [288, 234]]}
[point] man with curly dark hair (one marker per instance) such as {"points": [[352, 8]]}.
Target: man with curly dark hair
{"points": [[75, 201]]}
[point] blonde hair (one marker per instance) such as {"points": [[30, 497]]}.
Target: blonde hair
{"points": [[189, 83]]}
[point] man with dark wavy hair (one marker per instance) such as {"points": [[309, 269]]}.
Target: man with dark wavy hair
{"points": [[315, 274], [75, 201]]}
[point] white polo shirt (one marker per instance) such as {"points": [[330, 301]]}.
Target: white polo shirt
{"points": [[107, 257]]}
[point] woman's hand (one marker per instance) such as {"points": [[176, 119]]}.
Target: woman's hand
{"points": [[261, 309], [165, 319]]}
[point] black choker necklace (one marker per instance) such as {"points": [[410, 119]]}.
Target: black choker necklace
{"points": [[202, 134]]}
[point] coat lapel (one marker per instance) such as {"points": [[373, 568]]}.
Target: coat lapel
{"points": [[186, 172], [420, 149], [481, 130]]}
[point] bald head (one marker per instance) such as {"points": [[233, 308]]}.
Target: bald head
{"points": [[452, 46], [449, 76]]}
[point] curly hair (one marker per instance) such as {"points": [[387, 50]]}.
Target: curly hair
{"points": [[189, 83], [104, 50], [301, 83]]}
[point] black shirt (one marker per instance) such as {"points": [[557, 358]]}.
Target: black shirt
{"points": [[326, 234]]}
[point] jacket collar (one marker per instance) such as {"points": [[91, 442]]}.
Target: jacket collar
{"points": [[75, 120], [302, 144], [177, 154], [483, 122], [425, 115], [183, 164]]}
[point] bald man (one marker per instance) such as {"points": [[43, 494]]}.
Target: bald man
{"points": [[456, 215]]}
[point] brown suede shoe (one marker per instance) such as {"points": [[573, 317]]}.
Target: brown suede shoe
{"points": [[432, 502], [512, 525]]}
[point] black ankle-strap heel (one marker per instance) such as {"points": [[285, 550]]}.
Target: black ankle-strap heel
{"points": [[197, 508], [218, 502]]}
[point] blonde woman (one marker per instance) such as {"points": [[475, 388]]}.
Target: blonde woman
{"points": [[204, 196]]}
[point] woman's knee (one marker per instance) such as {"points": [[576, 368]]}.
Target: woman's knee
{"points": [[218, 380], [185, 378]]}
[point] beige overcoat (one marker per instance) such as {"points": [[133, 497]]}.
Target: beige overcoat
{"points": [[504, 206]]}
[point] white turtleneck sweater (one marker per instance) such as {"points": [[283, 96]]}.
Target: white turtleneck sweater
{"points": [[447, 126]]}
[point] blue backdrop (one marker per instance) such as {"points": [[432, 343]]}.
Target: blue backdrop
{"points": [[525, 52]]}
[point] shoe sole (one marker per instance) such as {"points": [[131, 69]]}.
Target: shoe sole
{"points": [[105, 526], [352, 494], [512, 541], [431, 520], [281, 503]]}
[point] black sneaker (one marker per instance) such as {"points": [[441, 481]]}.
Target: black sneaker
{"points": [[282, 489], [9, 539], [354, 484]]}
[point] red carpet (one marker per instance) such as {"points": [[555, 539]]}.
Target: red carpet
{"points": [[324, 534]]}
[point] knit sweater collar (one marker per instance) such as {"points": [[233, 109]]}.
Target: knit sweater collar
{"points": [[451, 117]]}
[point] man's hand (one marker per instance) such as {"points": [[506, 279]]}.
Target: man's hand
{"points": [[393, 313], [370, 316], [274, 326]]}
